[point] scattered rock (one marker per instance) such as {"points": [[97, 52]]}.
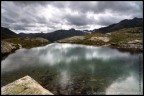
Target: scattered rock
{"points": [[77, 38], [20, 46], [104, 39], [108, 33], [71, 39], [42, 40], [135, 42], [107, 45]]}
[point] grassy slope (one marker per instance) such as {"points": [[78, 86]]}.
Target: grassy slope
{"points": [[26, 43], [118, 38]]}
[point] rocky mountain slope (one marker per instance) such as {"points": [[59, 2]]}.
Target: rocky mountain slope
{"points": [[10, 41], [12, 44], [126, 39], [6, 33], [56, 35], [127, 23], [125, 34]]}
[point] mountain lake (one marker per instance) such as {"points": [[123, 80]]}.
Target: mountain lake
{"points": [[64, 68]]}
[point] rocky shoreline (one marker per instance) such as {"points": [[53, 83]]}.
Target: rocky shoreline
{"points": [[128, 39], [7, 47], [12, 44], [120, 48], [125, 47]]}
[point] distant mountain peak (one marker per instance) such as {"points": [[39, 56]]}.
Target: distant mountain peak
{"points": [[7, 33], [136, 18], [72, 29], [126, 23], [57, 35]]}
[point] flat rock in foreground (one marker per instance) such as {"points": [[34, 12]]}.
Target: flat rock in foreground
{"points": [[24, 86]]}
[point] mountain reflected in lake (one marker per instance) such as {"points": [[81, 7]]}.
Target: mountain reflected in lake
{"points": [[77, 69]]}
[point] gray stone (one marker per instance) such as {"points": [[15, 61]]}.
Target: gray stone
{"points": [[20, 46], [7, 47], [135, 42], [24, 86]]}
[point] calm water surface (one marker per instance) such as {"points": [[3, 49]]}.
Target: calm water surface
{"points": [[76, 69]]}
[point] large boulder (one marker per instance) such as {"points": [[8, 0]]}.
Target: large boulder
{"points": [[7, 47], [24, 86]]}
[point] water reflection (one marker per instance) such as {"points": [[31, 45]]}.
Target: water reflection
{"points": [[130, 85], [76, 69]]}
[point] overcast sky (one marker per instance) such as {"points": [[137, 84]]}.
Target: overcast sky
{"points": [[48, 16]]}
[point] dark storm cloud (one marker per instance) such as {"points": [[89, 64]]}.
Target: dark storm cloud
{"points": [[107, 20], [32, 3], [18, 27], [54, 15], [13, 12], [79, 19], [102, 6]]}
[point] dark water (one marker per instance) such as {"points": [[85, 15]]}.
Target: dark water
{"points": [[77, 69]]}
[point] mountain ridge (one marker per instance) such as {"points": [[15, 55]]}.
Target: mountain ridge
{"points": [[126, 23], [61, 34], [7, 33], [56, 35]]}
